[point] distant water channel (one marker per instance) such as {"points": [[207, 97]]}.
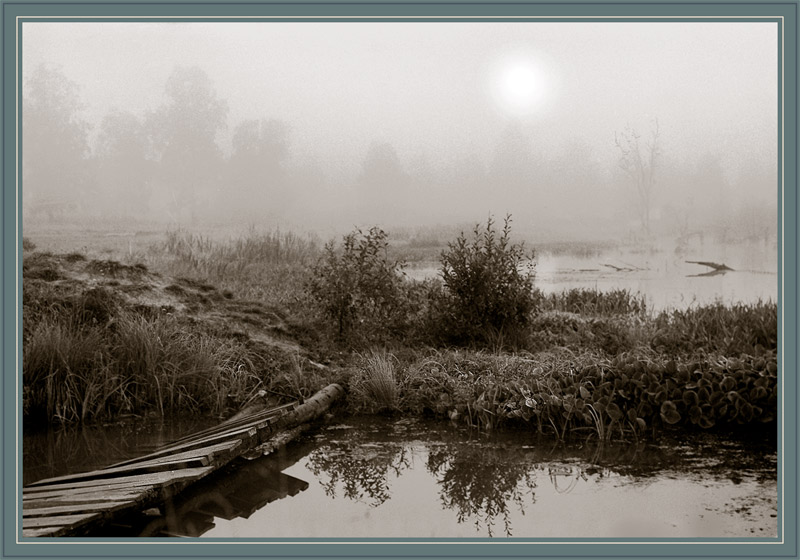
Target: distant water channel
{"points": [[664, 277]]}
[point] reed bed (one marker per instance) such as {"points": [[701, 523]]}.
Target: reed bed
{"points": [[86, 356], [269, 267]]}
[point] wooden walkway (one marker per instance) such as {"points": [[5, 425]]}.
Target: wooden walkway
{"points": [[79, 504]]}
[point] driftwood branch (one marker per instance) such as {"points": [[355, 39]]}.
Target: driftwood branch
{"points": [[715, 266]]}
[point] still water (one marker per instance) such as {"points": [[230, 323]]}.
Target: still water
{"points": [[664, 277], [47, 453], [414, 478]]}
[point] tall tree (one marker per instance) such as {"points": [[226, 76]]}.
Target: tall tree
{"points": [[54, 142], [184, 133], [257, 167], [382, 186], [123, 168], [639, 160]]}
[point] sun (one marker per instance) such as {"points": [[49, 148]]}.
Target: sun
{"points": [[520, 86]]}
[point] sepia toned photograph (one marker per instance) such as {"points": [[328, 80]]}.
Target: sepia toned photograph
{"points": [[400, 279]]}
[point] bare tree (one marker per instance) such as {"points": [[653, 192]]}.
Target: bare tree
{"points": [[639, 160]]}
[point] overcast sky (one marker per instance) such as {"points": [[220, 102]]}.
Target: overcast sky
{"points": [[430, 85], [446, 90]]}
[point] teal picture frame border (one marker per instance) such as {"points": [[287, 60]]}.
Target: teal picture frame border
{"points": [[784, 14]]}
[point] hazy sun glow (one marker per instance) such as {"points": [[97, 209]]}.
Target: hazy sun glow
{"points": [[520, 86]]}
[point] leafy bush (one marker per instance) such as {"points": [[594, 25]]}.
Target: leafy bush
{"points": [[358, 287], [488, 283]]}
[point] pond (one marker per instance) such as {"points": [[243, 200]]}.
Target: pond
{"points": [[664, 277], [368, 477]]}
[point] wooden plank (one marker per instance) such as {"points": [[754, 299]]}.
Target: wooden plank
{"points": [[160, 478], [259, 426], [58, 521], [169, 464], [237, 423], [84, 494], [221, 434], [246, 435], [190, 459], [102, 507], [130, 470], [44, 532], [101, 494], [277, 410], [207, 452], [63, 498]]}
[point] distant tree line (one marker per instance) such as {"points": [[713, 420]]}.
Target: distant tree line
{"points": [[182, 163]]}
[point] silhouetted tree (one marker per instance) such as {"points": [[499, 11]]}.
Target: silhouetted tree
{"points": [[382, 185], [54, 142], [258, 166], [639, 160], [184, 131], [123, 168]]}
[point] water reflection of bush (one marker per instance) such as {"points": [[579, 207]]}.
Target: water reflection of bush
{"points": [[363, 472], [481, 482], [485, 479]]}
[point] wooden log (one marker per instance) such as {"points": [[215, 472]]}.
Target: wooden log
{"points": [[311, 409]]}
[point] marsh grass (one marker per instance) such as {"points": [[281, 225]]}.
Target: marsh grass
{"points": [[586, 301], [270, 267], [300, 379], [566, 393], [728, 329], [141, 365], [374, 386], [86, 356]]}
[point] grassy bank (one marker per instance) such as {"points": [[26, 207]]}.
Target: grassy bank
{"points": [[199, 325], [102, 339]]}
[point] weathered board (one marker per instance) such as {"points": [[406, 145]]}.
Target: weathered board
{"points": [[75, 504]]}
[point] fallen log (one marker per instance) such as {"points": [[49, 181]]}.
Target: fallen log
{"points": [[715, 266], [311, 409]]}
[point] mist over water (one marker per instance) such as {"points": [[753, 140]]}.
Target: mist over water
{"points": [[324, 126]]}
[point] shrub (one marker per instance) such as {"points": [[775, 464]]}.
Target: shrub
{"points": [[488, 283], [28, 245], [358, 287]]}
